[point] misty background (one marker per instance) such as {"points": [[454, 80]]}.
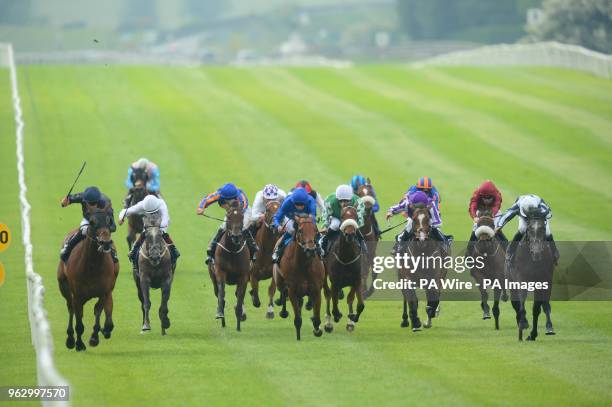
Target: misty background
{"points": [[362, 30]]}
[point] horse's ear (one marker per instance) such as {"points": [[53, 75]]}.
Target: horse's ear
{"points": [[368, 182]]}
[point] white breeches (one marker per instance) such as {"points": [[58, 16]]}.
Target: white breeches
{"points": [[83, 226], [334, 224]]}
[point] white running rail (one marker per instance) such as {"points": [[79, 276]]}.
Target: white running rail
{"points": [[47, 374], [537, 54]]}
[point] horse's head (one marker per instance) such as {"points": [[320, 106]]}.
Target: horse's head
{"points": [[305, 234], [99, 229], [420, 222], [366, 193], [155, 246], [271, 209], [536, 233], [349, 225], [485, 233], [234, 222]]}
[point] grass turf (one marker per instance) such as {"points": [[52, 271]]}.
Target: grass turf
{"points": [[544, 131]]}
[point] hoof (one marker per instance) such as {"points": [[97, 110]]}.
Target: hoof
{"points": [[329, 328], [350, 327], [486, 315], [70, 342], [416, 328], [270, 315], [317, 332], [337, 317], [163, 332], [80, 346], [404, 324], [284, 313], [278, 302], [256, 303], [438, 311], [531, 338], [223, 322], [427, 324], [94, 341], [243, 317], [165, 323], [550, 331], [220, 315]]}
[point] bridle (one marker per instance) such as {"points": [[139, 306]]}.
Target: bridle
{"points": [[269, 216], [298, 232]]}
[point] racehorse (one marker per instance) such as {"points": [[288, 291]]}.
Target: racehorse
{"points": [[89, 273], [137, 194], [231, 264], [492, 255], [534, 262], [262, 267], [301, 273], [343, 268], [422, 246], [368, 231], [155, 270]]}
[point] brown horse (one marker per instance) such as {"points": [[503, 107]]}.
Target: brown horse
{"points": [[492, 254], [231, 265], [265, 238], [89, 273], [343, 268], [155, 270], [422, 246], [368, 231], [135, 225], [301, 273]]}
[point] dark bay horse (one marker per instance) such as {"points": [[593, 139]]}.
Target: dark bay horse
{"points": [[343, 268], [301, 273], [534, 262], [89, 273], [421, 245], [231, 265], [368, 231], [265, 238], [492, 255], [137, 194], [155, 270]]}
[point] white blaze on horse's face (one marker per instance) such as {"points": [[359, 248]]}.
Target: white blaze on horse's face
{"points": [[421, 227]]}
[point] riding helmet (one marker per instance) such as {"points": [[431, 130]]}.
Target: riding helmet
{"points": [[228, 191], [357, 180], [92, 195]]}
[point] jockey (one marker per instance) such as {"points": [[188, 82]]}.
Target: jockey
{"points": [[268, 194], [151, 171], [523, 205], [486, 198], [356, 182], [334, 204], [314, 194], [407, 206], [225, 196], [296, 203], [150, 206], [89, 199], [425, 184]]}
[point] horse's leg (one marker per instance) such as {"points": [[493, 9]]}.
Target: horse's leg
{"points": [[549, 325], [316, 312], [138, 289], [350, 323], [165, 297], [77, 305], [405, 323], [254, 290], [297, 312], [65, 290], [484, 297], [271, 291], [329, 327], [221, 301], [360, 303], [537, 308], [335, 292], [108, 316], [239, 310], [283, 303], [94, 340], [496, 295], [145, 286], [413, 307], [433, 300]]}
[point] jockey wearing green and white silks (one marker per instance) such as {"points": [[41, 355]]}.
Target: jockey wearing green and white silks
{"points": [[334, 203], [523, 205]]}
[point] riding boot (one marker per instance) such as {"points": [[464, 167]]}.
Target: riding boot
{"points": [[553, 248], [323, 243], [251, 243], [362, 243], [70, 244], [400, 239], [174, 253], [512, 251], [377, 231], [210, 252], [278, 250], [133, 255]]}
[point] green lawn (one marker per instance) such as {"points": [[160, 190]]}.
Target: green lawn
{"points": [[543, 131]]}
